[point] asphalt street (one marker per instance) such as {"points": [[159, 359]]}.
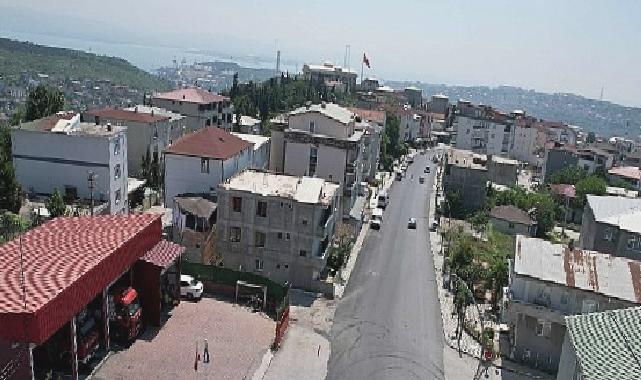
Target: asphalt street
{"points": [[388, 324]]}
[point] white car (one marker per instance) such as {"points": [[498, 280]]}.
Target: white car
{"points": [[190, 287], [411, 223]]}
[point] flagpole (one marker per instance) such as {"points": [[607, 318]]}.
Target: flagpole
{"points": [[362, 65]]}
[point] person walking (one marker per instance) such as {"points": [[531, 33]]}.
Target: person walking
{"points": [[206, 352]]}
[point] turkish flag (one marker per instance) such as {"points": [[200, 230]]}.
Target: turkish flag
{"points": [[366, 61]]}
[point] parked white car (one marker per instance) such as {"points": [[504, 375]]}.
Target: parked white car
{"points": [[190, 287]]}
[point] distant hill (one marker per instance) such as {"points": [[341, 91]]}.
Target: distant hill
{"points": [[602, 117], [17, 57]]}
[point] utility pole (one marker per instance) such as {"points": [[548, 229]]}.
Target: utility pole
{"points": [[91, 178]]}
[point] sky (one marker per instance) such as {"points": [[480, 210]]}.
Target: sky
{"points": [[578, 46]]}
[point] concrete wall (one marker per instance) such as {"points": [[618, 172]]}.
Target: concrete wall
{"points": [[556, 160], [502, 173], [568, 366], [47, 161], [470, 183], [464, 133], [196, 118], [296, 158], [323, 125], [277, 152], [511, 228], [524, 145], [605, 238]]}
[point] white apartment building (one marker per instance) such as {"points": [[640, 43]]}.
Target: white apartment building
{"points": [[321, 141], [524, 145], [482, 134], [201, 108], [277, 225], [59, 151], [410, 125], [328, 72], [146, 131], [196, 163], [262, 145]]}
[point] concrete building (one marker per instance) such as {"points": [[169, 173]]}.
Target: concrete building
{"points": [[201, 108], [548, 282], [439, 103], [414, 96], [602, 346], [466, 175], [248, 125], [631, 175], [322, 141], [59, 151], [199, 161], [262, 144], [328, 72], [193, 227], [278, 225], [410, 125], [75, 269], [151, 131], [372, 123], [512, 221], [589, 159], [502, 171], [524, 145], [612, 225], [277, 148], [482, 129]]}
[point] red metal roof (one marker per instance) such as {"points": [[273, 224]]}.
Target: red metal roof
{"points": [[118, 114], [191, 95], [163, 254], [67, 262], [210, 142], [376, 116]]}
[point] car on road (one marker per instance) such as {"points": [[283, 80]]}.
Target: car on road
{"points": [[190, 287], [377, 219], [427, 169], [411, 223], [421, 179], [434, 226]]}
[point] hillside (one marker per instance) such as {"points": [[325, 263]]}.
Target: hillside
{"points": [[602, 117], [17, 57]]}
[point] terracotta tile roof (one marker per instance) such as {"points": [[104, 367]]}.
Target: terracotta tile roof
{"points": [[512, 214], [66, 262], [191, 95], [210, 142], [563, 190], [631, 172], [376, 116], [119, 114], [163, 254]]}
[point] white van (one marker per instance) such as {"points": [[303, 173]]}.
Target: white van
{"points": [[377, 219], [383, 200]]}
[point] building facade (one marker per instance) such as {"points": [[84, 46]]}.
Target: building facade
{"points": [[278, 225], [328, 72], [201, 108], [59, 152]]}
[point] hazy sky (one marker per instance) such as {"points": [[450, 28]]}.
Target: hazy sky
{"points": [[556, 46]]}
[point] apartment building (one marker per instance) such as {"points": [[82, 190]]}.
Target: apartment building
{"points": [[262, 146], [590, 159], [197, 162], [482, 129], [201, 108], [60, 152], [548, 282], [372, 123], [321, 141], [146, 131], [630, 175], [410, 125], [612, 225], [278, 225], [328, 72]]}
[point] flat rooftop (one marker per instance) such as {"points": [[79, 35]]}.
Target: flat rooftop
{"points": [[257, 140], [173, 116], [591, 271], [69, 123], [301, 189]]}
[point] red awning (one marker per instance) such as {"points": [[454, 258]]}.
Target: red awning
{"points": [[163, 254]]}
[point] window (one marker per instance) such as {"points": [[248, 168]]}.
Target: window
{"points": [[543, 328], [258, 264], [117, 146], [634, 243], [234, 234], [261, 209], [280, 235], [118, 196], [302, 253], [304, 222], [511, 225], [117, 171], [259, 239], [313, 160], [312, 127], [204, 165], [287, 236], [608, 234], [236, 204]]}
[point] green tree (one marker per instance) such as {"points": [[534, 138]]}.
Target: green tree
{"points": [[569, 175], [589, 185], [56, 204], [10, 194], [591, 138], [43, 101]]}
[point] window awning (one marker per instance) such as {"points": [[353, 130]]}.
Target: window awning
{"points": [[163, 254]]}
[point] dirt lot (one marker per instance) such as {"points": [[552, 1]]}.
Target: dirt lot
{"points": [[237, 340]]}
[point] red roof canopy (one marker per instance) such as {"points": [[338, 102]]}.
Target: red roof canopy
{"points": [[209, 142], [163, 254], [66, 263]]}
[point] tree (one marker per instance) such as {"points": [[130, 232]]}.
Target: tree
{"points": [[56, 204], [591, 138], [10, 194], [569, 175], [340, 251], [43, 101], [589, 185], [234, 87]]}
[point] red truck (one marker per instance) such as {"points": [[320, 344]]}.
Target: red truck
{"points": [[126, 321]]}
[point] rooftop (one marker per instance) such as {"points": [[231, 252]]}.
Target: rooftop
{"points": [[512, 214], [68, 123], [257, 140], [624, 213], [563, 190], [607, 344], [375, 116], [328, 67], [246, 121], [631, 172], [191, 95], [504, 161], [591, 271], [156, 111], [209, 142], [331, 110], [301, 189], [198, 205], [125, 115]]}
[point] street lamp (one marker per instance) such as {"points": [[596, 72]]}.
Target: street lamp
{"points": [[91, 178]]}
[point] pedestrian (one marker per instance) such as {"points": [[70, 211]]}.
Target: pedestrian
{"points": [[206, 352]]}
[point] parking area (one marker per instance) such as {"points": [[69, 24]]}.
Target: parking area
{"points": [[237, 340]]}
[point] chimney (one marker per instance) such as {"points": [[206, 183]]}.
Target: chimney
{"points": [[109, 129], [136, 109]]}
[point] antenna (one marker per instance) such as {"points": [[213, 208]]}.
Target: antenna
{"points": [[601, 97], [348, 51], [278, 61]]}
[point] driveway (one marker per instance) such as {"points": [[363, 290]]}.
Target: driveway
{"points": [[388, 323], [237, 340]]}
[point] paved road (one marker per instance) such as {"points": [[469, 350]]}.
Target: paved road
{"points": [[388, 324]]}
